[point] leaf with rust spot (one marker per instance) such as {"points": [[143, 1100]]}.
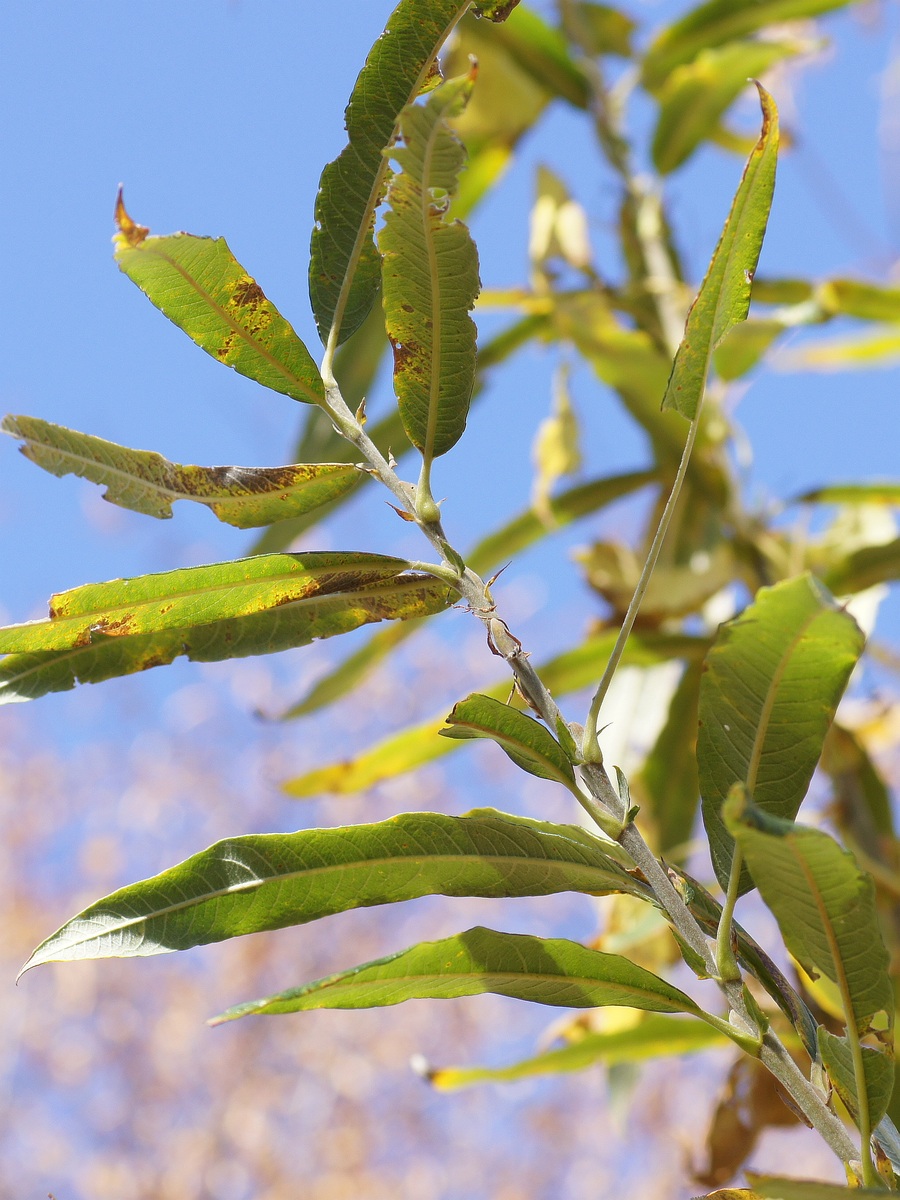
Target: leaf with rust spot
{"points": [[227, 610], [430, 275], [146, 482], [201, 287]]}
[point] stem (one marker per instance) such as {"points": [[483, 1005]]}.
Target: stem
{"points": [[600, 799], [590, 746], [726, 964]]}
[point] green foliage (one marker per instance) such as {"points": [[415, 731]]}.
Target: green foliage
{"points": [[740, 716]]}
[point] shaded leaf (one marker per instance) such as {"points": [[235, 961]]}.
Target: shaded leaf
{"points": [[720, 21], [556, 451], [859, 298], [772, 1187], [200, 286], [837, 1057], [744, 346], [772, 684], [655, 1036], [269, 881], [864, 568], [542, 52], [430, 275], [528, 743], [877, 349], [148, 483], [724, 297], [696, 96], [825, 908], [226, 610], [543, 970], [419, 744]]}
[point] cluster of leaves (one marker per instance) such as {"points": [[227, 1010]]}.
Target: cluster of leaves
{"points": [[755, 706]]}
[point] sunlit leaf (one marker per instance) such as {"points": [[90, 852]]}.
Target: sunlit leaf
{"points": [[724, 297], [200, 286], [528, 743], [269, 881], [886, 492], [864, 568], [419, 744], [557, 449], [744, 346], [430, 275], [877, 349], [720, 21], [861, 299], [769, 693], [656, 1036], [825, 908], [543, 970], [148, 483], [226, 610], [696, 96]]}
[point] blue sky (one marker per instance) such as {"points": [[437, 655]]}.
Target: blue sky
{"points": [[217, 117]]}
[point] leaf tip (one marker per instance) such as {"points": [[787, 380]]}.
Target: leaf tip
{"points": [[128, 232]]}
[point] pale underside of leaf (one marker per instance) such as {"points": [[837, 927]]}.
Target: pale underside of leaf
{"points": [[141, 480], [269, 881]]}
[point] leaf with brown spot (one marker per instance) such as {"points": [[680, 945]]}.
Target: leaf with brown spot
{"points": [[430, 263], [201, 287], [226, 610], [145, 482]]}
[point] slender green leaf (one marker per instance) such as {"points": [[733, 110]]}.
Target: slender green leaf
{"points": [[200, 286], [345, 270], [724, 297], [858, 298], [528, 743], [430, 275], [697, 95], [655, 1036], [226, 610], [419, 744], [268, 881], [544, 970], [877, 349], [837, 1058], [825, 908], [542, 52], [864, 568], [886, 492], [602, 28], [772, 1187], [769, 693], [148, 483], [720, 21]]}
